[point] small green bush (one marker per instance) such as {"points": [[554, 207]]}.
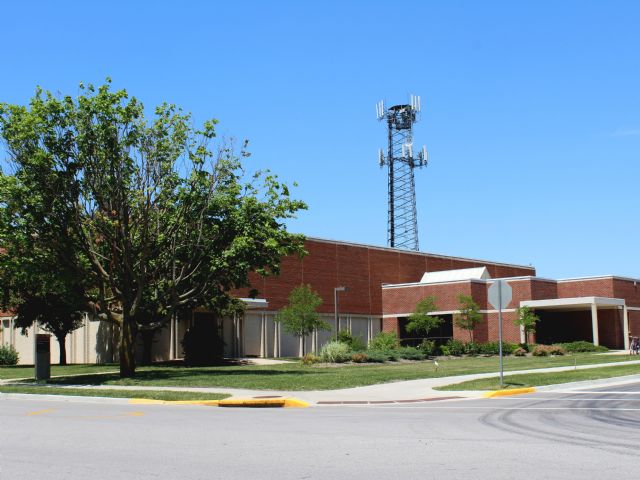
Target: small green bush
{"points": [[335, 352], [376, 356], [520, 352], [582, 346], [471, 348], [525, 346], [355, 343], [453, 347], [310, 359], [429, 348], [359, 357], [387, 355], [493, 348], [385, 341], [8, 355], [410, 353]]}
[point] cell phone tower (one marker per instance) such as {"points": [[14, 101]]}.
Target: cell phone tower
{"points": [[402, 230]]}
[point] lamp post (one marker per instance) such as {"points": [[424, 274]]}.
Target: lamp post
{"points": [[335, 303]]}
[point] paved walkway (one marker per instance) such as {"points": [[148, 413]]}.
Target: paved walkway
{"points": [[411, 390]]}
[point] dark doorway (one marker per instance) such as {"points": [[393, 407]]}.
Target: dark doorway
{"points": [[440, 335], [203, 343], [563, 326]]}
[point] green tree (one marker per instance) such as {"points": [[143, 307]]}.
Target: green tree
{"points": [[160, 213], [469, 315], [527, 320], [43, 280], [300, 317], [420, 322]]}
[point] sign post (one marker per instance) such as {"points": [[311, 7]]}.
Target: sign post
{"points": [[500, 294]]}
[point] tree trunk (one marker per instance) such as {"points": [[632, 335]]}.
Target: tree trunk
{"points": [[301, 349], [127, 347], [63, 349]]}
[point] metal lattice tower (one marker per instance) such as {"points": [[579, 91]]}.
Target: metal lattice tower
{"points": [[402, 230]]}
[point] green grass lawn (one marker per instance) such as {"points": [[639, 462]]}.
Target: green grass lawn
{"points": [[294, 376], [113, 393], [26, 371], [539, 379]]}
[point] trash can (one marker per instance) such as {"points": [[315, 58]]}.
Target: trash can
{"points": [[43, 356]]}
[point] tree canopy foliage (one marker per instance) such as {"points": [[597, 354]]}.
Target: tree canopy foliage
{"points": [[153, 212], [527, 320], [300, 317], [469, 315], [420, 322]]}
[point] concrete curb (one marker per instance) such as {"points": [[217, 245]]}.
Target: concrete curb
{"points": [[506, 393]]}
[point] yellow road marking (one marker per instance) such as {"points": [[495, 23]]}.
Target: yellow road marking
{"points": [[40, 412]]}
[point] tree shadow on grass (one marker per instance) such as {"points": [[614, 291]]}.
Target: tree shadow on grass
{"points": [[183, 376]]}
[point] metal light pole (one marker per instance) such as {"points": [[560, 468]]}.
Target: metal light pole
{"points": [[335, 303]]}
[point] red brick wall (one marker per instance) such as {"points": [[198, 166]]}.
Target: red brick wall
{"points": [[627, 290], [363, 269], [601, 287], [610, 328], [634, 323], [510, 332]]}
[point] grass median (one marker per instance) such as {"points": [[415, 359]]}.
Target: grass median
{"points": [[298, 377], [111, 393], [539, 379]]}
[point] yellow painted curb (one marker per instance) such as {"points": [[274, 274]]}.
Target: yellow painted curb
{"points": [[512, 391], [264, 402], [147, 401], [240, 402]]}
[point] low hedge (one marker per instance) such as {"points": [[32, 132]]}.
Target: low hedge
{"points": [[582, 346]]}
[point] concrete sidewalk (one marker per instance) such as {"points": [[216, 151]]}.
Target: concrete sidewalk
{"points": [[403, 391]]}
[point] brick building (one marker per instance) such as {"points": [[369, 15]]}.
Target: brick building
{"points": [[383, 287]]}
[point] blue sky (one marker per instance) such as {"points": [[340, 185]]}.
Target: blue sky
{"points": [[531, 110]]}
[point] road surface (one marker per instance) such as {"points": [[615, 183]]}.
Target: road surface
{"points": [[593, 434]]}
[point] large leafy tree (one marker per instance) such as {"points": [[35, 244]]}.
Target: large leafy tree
{"points": [[43, 279], [300, 317], [161, 216]]}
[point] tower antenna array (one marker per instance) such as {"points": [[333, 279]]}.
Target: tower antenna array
{"points": [[401, 160]]}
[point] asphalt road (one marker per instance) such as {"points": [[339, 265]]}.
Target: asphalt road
{"points": [[588, 435]]}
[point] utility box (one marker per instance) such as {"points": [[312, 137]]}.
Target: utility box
{"points": [[43, 356]]}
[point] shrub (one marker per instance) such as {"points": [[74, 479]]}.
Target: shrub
{"points": [[376, 356], [8, 355], [359, 357], [540, 351], [335, 352], [582, 346], [471, 348], [385, 341], [428, 347], [545, 350], [410, 353], [525, 346], [556, 350], [520, 352], [385, 355], [310, 359], [493, 348], [456, 347], [355, 343]]}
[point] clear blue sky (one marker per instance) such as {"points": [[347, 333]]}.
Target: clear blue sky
{"points": [[531, 110]]}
